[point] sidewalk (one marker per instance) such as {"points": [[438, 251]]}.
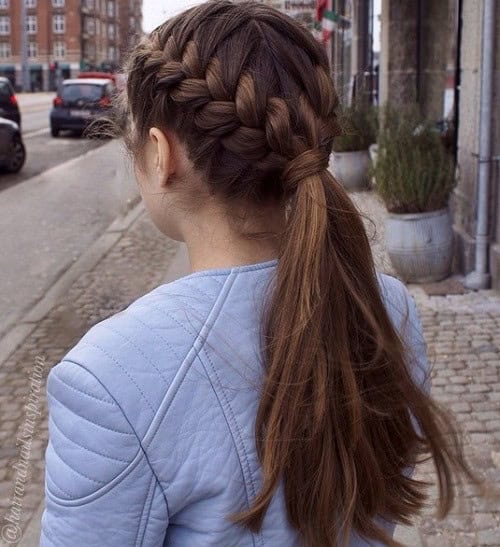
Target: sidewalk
{"points": [[463, 342], [462, 331], [128, 260]]}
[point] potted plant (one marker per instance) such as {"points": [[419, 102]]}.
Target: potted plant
{"points": [[415, 177], [350, 160]]}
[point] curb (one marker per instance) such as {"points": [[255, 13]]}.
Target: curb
{"points": [[25, 325]]}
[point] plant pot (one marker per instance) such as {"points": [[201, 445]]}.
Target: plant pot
{"points": [[420, 245], [351, 169]]}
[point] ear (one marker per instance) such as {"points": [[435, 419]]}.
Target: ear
{"points": [[164, 155]]}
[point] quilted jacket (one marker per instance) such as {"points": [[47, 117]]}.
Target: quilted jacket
{"points": [[151, 417]]}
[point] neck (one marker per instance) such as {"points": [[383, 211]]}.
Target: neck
{"points": [[217, 241]]}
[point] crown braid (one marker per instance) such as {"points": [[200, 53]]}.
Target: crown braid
{"points": [[253, 136]]}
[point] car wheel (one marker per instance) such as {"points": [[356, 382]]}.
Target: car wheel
{"points": [[18, 157], [54, 131]]}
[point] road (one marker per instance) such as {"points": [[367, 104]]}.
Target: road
{"points": [[43, 152], [35, 108], [68, 193]]}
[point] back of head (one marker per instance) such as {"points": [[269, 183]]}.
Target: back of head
{"points": [[245, 88], [248, 91]]}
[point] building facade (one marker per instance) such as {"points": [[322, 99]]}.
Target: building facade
{"points": [[445, 57], [66, 36]]}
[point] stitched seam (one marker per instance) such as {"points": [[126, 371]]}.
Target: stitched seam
{"points": [[197, 352], [181, 325], [100, 483], [151, 483], [70, 496], [131, 427], [229, 271], [198, 290], [246, 462], [138, 349], [88, 449], [231, 279], [113, 360], [82, 391], [250, 481], [91, 421], [157, 335]]}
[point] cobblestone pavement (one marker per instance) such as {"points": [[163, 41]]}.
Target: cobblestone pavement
{"points": [[135, 265], [463, 338], [463, 335]]}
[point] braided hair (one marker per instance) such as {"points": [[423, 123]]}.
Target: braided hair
{"points": [[248, 91]]}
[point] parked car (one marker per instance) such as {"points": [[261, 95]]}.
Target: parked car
{"points": [[93, 75], [12, 150], [8, 103], [80, 102]]}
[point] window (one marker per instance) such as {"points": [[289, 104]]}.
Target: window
{"points": [[131, 22], [90, 25], [58, 3], [89, 50], [111, 31], [89, 4], [4, 25], [111, 53], [58, 24], [4, 4], [59, 50], [31, 24], [5, 90], [111, 8], [4, 50], [89, 92], [30, 3], [32, 49], [98, 26]]}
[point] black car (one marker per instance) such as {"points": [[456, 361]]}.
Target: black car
{"points": [[12, 150], [79, 102], [8, 103]]}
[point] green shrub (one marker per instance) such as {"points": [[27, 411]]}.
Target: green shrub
{"points": [[358, 124], [414, 172]]}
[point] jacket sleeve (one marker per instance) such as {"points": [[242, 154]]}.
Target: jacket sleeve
{"points": [[99, 487], [405, 318], [413, 337]]}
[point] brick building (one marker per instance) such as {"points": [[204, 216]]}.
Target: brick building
{"points": [[70, 34]]}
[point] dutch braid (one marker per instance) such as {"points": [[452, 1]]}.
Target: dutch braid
{"points": [[246, 122]]}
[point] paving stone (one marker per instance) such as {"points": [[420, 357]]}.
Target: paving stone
{"points": [[112, 285], [485, 521], [488, 537]]}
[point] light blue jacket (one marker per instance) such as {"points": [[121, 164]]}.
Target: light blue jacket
{"points": [[152, 418]]}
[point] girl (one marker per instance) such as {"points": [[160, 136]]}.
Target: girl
{"points": [[277, 395]]}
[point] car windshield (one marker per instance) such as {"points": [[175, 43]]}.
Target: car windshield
{"points": [[87, 92], [5, 91]]}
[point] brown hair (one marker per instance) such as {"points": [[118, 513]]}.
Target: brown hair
{"points": [[340, 418]]}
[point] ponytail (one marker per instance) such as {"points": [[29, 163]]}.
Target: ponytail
{"points": [[336, 416]]}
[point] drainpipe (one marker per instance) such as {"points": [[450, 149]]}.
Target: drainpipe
{"points": [[480, 278]]}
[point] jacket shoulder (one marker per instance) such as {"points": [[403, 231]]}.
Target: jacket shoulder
{"points": [[141, 354]]}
